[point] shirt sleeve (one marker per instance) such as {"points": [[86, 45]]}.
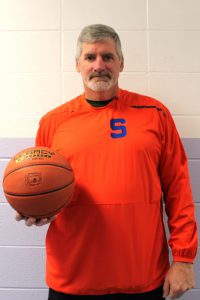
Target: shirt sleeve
{"points": [[179, 205], [44, 134]]}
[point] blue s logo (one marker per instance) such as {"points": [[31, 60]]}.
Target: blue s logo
{"points": [[116, 125]]}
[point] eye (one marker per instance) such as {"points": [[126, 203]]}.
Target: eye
{"points": [[90, 57], [107, 57]]}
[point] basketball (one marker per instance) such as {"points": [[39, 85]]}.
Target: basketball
{"points": [[38, 182]]}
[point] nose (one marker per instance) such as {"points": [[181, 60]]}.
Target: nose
{"points": [[99, 65]]}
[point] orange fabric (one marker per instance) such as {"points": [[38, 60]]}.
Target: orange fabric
{"points": [[111, 237]]}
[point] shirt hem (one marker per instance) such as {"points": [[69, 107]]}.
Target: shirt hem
{"points": [[107, 291]]}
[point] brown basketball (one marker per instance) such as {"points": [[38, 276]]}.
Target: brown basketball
{"points": [[38, 182]]}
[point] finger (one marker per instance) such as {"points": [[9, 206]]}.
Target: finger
{"points": [[50, 219], [44, 221], [30, 221], [41, 222], [166, 289], [176, 293], [173, 292], [19, 217]]}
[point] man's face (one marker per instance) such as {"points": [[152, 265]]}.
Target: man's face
{"points": [[99, 65]]}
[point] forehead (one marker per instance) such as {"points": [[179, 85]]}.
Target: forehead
{"points": [[99, 47]]}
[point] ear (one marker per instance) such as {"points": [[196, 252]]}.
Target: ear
{"points": [[77, 66], [122, 65]]}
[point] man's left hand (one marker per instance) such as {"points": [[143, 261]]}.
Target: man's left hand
{"points": [[179, 279]]}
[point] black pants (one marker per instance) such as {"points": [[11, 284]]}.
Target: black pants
{"points": [[152, 295]]}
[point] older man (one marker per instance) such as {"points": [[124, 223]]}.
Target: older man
{"points": [[127, 156]]}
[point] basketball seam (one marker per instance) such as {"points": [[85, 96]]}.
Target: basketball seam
{"points": [[42, 193], [33, 165]]}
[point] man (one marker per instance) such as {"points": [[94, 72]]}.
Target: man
{"points": [[126, 153]]}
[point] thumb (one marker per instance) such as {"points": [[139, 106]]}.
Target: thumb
{"points": [[18, 217], [166, 288]]}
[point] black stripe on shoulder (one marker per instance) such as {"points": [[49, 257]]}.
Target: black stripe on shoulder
{"points": [[149, 106]]}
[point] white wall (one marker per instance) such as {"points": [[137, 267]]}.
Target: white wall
{"points": [[161, 44]]}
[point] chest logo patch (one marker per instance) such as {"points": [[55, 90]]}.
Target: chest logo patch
{"points": [[118, 127]]}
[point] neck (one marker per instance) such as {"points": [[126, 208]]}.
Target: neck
{"points": [[105, 95]]}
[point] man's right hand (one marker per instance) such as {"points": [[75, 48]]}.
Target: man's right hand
{"points": [[33, 221]]}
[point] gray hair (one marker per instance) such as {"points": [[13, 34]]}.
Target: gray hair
{"points": [[98, 32]]}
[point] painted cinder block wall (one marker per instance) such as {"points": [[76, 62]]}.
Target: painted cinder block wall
{"points": [[161, 44]]}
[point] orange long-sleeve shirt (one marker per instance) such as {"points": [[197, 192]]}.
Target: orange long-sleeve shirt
{"points": [[111, 237]]}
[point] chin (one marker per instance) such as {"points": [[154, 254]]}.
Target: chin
{"points": [[100, 86]]}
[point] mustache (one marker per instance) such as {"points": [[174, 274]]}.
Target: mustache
{"points": [[100, 74]]}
